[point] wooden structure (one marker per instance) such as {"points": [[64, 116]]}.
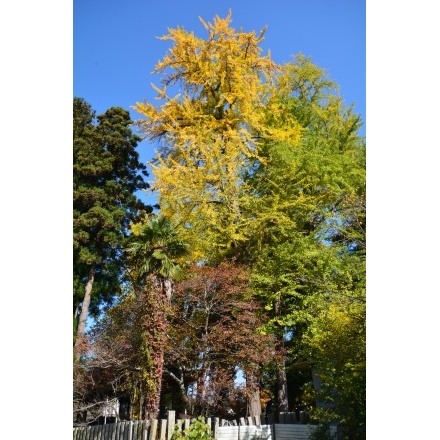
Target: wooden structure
{"points": [[247, 428]]}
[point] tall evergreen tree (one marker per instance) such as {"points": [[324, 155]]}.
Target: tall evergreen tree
{"points": [[106, 175]]}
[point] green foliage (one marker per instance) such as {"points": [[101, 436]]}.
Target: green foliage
{"points": [[155, 248], [197, 430], [322, 432], [106, 175]]}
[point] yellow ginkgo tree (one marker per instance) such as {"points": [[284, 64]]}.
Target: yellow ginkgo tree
{"points": [[210, 120]]}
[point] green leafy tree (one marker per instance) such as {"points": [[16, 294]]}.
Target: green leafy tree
{"points": [[306, 210], [106, 175]]}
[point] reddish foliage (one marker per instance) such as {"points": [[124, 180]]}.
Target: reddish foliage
{"points": [[213, 335]]}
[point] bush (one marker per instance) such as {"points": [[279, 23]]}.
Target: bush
{"points": [[197, 430]]}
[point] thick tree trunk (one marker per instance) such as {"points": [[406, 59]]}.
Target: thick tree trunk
{"points": [[85, 306], [253, 401], [154, 386], [157, 329]]}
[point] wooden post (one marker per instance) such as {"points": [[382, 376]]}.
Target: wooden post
{"points": [[209, 422], [250, 421], [163, 429], [216, 425], [119, 431], [153, 430], [130, 430], [187, 423], [242, 422], [257, 420], [93, 434], [107, 431], [281, 418], [171, 421], [145, 426]]}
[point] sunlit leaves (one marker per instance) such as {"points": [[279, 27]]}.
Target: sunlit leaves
{"points": [[210, 121]]}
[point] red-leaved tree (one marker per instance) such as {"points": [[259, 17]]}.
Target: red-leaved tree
{"points": [[214, 340]]}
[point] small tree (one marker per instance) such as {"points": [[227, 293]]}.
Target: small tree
{"points": [[197, 430]]}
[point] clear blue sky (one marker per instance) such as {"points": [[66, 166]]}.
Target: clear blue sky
{"points": [[115, 47]]}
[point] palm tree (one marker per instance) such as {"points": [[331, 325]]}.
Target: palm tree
{"points": [[153, 259], [154, 252]]}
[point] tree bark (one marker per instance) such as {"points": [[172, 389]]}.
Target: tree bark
{"points": [[281, 397], [253, 401], [85, 306], [282, 400]]}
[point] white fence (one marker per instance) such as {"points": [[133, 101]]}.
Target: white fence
{"points": [[265, 432]]}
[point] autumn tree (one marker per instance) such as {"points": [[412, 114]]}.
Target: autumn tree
{"points": [[213, 339], [263, 163], [106, 175], [208, 126], [130, 339], [155, 249]]}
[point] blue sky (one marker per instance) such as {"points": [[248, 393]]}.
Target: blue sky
{"points": [[115, 47]]}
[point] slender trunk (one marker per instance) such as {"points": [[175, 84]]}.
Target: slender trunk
{"points": [[282, 400], [181, 383], [281, 396], [85, 306], [75, 313]]}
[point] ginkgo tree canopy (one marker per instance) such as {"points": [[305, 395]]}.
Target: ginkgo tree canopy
{"points": [[210, 121]]}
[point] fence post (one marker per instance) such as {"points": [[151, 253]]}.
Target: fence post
{"points": [[130, 430], [153, 429], [170, 424], [145, 426], [163, 429], [216, 425], [187, 423]]}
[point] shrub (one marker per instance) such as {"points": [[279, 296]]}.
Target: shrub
{"points": [[197, 430]]}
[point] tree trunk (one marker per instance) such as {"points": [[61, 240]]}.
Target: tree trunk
{"points": [[181, 383], [281, 397], [282, 400], [85, 306], [157, 325], [253, 400]]}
